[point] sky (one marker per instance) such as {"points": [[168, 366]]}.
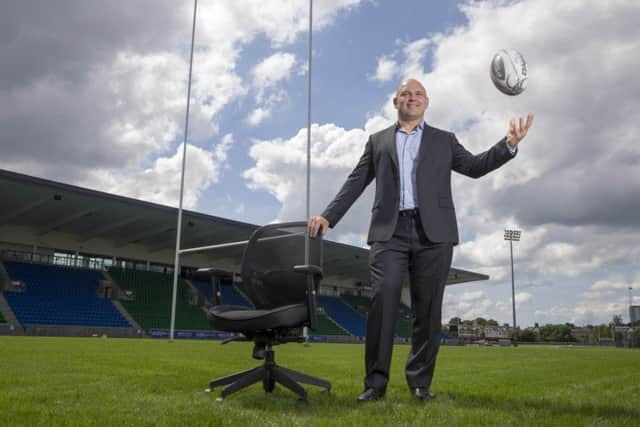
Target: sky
{"points": [[94, 94]]}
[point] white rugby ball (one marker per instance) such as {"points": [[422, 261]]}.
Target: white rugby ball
{"points": [[509, 72]]}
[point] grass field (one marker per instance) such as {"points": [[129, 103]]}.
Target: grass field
{"points": [[93, 381]]}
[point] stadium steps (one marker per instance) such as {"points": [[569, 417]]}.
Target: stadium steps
{"points": [[123, 311], [359, 303], [7, 315], [151, 307], [5, 280], [233, 296], [345, 315], [403, 324], [204, 288], [328, 326]]}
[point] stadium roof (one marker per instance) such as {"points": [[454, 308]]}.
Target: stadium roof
{"points": [[44, 207]]}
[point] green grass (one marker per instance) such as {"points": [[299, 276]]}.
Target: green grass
{"points": [[121, 382]]}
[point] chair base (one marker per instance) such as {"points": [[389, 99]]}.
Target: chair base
{"points": [[270, 374]]}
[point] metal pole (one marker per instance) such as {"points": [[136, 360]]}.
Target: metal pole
{"points": [[176, 265], [305, 331], [513, 295], [308, 212]]}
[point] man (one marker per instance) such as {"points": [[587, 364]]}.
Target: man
{"points": [[413, 229]]}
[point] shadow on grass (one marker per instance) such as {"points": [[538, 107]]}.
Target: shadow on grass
{"points": [[544, 405], [283, 402]]}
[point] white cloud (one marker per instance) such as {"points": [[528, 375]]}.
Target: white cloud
{"points": [[615, 283], [471, 296], [604, 299], [160, 183], [280, 169], [523, 297], [387, 69], [221, 149], [118, 107], [583, 313], [466, 308], [257, 116], [273, 69]]}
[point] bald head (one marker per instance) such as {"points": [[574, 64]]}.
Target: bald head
{"points": [[412, 82], [411, 101]]}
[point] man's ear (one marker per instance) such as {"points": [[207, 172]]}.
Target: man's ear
{"points": [[395, 101]]}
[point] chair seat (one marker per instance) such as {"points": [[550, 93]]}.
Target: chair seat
{"points": [[233, 318]]}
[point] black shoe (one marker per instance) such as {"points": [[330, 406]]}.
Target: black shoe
{"points": [[423, 393], [259, 352], [370, 394]]}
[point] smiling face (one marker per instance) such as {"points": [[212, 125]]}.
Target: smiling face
{"points": [[411, 101]]}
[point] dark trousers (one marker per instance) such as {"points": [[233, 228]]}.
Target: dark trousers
{"points": [[427, 263]]}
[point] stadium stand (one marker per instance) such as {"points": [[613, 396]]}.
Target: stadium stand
{"points": [[54, 295], [361, 305], [151, 306], [403, 328], [229, 295], [2, 319], [326, 326], [345, 315], [204, 288]]}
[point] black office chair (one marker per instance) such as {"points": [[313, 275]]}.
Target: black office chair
{"points": [[282, 289]]}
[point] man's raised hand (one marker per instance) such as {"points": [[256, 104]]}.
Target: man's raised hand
{"points": [[518, 130]]}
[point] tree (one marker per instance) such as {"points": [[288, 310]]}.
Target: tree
{"points": [[481, 321], [527, 335], [492, 322], [558, 333], [455, 320], [604, 331], [617, 320]]}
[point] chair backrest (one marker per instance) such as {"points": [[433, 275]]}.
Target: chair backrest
{"points": [[268, 276]]}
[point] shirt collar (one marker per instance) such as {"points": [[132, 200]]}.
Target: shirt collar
{"points": [[420, 126]]}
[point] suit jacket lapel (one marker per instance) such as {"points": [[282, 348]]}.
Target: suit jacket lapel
{"points": [[427, 147], [389, 138]]}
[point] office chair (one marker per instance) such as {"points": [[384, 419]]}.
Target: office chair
{"points": [[282, 289]]}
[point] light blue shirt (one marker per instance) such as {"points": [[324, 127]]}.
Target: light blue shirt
{"points": [[408, 145]]}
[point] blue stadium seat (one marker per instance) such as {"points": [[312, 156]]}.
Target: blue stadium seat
{"points": [[230, 296], [204, 288], [344, 314], [57, 295]]}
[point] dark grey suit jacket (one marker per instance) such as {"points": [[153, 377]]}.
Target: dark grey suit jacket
{"points": [[439, 154]]}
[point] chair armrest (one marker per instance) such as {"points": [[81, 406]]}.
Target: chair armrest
{"points": [[308, 268]]}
